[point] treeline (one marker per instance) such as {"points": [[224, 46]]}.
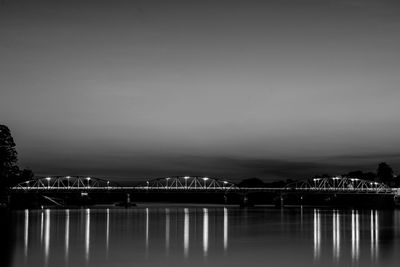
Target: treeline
{"points": [[384, 174], [10, 173]]}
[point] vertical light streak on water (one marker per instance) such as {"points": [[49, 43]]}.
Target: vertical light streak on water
{"points": [[87, 235], [301, 218], [41, 227], [66, 235], [147, 232], [186, 233], [47, 237], [376, 228], [26, 233], [317, 234], [225, 229], [355, 235], [336, 235], [167, 229], [107, 231], [205, 231], [372, 226]]}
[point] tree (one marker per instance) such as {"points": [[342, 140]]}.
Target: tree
{"points": [[251, 182], [370, 176], [385, 173], [8, 157]]}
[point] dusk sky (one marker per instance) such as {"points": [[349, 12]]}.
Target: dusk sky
{"points": [[273, 89]]}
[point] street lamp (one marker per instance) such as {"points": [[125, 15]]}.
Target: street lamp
{"points": [[68, 177], [48, 182], [166, 184], [88, 181], [315, 182], [186, 178], [108, 184], [335, 178], [205, 182], [225, 182]]}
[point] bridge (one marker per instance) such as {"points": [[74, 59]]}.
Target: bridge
{"points": [[318, 190], [196, 183]]}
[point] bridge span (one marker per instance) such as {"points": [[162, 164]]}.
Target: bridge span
{"points": [[195, 183], [188, 188]]}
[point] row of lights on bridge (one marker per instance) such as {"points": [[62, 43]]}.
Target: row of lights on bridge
{"points": [[69, 177], [188, 177], [338, 178], [108, 182]]}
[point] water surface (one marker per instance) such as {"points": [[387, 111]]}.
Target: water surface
{"points": [[205, 236]]}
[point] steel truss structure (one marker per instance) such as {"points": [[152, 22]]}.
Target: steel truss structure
{"points": [[188, 183], [197, 183], [65, 183], [89, 183], [343, 184]]}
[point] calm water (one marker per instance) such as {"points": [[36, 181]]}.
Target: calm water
{"points": [[206, 236]]}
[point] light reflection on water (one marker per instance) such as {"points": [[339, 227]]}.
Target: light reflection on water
{"points": [[66, 234], [87, 234], [173, 235], [186, 233]]}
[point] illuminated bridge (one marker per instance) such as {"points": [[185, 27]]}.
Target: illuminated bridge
{"points": [[187, 183], [334, 190]]}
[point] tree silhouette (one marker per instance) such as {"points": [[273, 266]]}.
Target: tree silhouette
{"points": [[385, 173], [8, 156], [251, 182]]}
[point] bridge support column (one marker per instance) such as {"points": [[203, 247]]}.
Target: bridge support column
{"points": [[128, 200], [244, 201], [280, 201]]}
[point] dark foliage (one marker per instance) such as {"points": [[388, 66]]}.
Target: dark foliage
{"points": [[10, 173], [369, 176], [251, 182], [385, 173], [8, 157]]}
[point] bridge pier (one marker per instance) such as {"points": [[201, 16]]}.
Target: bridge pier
{"points": [[244, 201], [280, 201], [128, 202]]}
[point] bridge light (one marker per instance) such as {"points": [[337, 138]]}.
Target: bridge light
{"points": [[336, 178], [316, 179], [167, 178], [68, 177], [205, 181], [48, 182], [225, 182], [88, 178], [186, 177]]}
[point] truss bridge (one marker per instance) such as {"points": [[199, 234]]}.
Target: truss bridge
{"points": [[334, 190]]}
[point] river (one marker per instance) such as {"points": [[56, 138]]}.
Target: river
{"points": [[167, 235]]}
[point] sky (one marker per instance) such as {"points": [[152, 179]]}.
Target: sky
{"points": [[273, 89]]}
